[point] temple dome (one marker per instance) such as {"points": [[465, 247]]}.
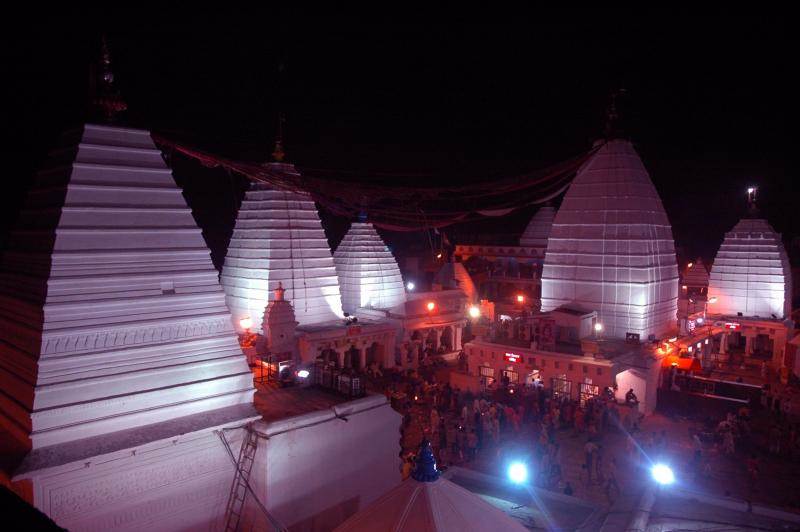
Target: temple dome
{"points": [[751, 272], [455, 275], [611, 247], [427, 502], [538, 230], [278, 238], [368, 272], [112, 315]]}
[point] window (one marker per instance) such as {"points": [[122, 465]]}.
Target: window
{"points": [[481, 353], [557, 364], [486, 371], [544, 363], [532, 361], [492, 355], [586, 369], [599, 371], [570, 366]]}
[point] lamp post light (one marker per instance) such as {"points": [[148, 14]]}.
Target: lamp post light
{"points": [[662, 474], [247, 339], [598, 329], [518, 473], [474, 312]]}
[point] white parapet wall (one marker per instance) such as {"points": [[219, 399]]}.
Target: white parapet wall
{"points": [[316, 470]]}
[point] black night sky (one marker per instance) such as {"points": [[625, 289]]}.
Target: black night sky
{"points": [[708, 99]]}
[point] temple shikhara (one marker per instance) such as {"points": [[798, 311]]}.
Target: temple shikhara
{"points": [[142, 388]]}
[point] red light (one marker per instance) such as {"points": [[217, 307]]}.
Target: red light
{"points": [[511, 357], [431, 305], [732, 326]]}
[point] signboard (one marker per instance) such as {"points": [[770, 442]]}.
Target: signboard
{"points": [[733, 326], [511, 357]]}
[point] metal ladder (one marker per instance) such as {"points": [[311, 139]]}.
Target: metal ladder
{"points": [[235, 507]]}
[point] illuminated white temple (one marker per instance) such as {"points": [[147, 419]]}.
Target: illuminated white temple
{"points": [[611, 247], [538, 230], [455, 275], [751, 273], [112, 316], [368, 273], [278, 238]]}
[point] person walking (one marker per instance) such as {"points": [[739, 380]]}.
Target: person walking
{"points": [[612, 482], [589, 453]]}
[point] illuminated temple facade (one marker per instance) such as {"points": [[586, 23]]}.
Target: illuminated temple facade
{"points": [[611, 247], [367, 270], [751, 274], [125, 393], [278, 238]]}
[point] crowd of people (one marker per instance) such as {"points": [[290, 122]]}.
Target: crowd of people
{"points": [[465, 427], [554, 433]]}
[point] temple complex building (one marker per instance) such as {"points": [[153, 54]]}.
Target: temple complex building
{"points": [[611, 247], [749, 294], [126, 397], [501, 274]]}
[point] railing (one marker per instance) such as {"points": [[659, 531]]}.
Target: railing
{"points": [[340, 381]]}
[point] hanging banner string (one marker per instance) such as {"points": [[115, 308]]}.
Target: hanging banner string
{"points": [[397, 207]]}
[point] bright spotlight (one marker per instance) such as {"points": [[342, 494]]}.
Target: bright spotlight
{"points": [[246, 323], [410, 286], [598, 327], [303, 373], [518, 473], [430, 306], [662, 474], [474, 312], [520, 298], [700, 321]]}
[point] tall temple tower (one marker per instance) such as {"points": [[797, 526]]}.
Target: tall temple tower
{"points": [[119, 360], [278, 238], [611, 247], [751, 273], [112, 316], [538, 230], [368, 273]]}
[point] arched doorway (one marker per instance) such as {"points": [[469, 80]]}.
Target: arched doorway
{"points": [[375, 353], [447, 338], [352, 358], [430, 341], [328, 356]]}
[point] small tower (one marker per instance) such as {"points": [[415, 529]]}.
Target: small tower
{"points": [[280, 324]]}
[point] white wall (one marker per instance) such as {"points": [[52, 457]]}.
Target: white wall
{"points": [[316, 470]]}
